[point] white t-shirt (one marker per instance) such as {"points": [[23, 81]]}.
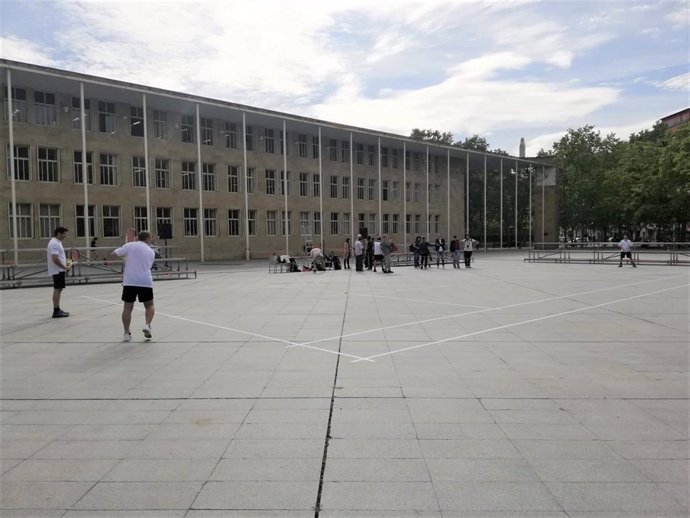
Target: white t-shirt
{"points": [[377, 248], [468, 245], [55, 248], [625, 245], [315, 252], [138, 264]]}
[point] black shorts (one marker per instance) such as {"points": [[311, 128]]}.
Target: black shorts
{"points": [[130, 293], [378, 257], [59, 280], [626, 254]]}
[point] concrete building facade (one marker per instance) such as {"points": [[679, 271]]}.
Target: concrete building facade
{"points": [[232, 181]]}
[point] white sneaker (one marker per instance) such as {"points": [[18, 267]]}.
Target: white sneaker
{"points": [[127, 337], [147, 331]]}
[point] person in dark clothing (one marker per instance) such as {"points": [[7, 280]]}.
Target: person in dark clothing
{"points": [[455, 251], [414, 248], [424, 253], [370, 253], [440, 247]]}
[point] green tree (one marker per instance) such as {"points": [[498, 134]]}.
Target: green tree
{"points": [[475, 142], [435, 136]]}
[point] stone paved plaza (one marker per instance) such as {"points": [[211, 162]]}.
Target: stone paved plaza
{"points": [[507, 390]]}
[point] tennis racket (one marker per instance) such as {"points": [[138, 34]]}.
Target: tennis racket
{"points": [[74, 256]]}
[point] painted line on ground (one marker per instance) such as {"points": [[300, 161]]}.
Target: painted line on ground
{"points": [[514, 324]]}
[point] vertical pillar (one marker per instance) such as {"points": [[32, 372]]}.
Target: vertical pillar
{"points": [[428, 223], [448, 197], [285, 187], [485, 192], [530, 205], [84, 169], [200, 178], [467, 193], [404, 189], [247, 251], [517, 173], [146, 166], [352, 193], [10, 120], [543, 199], [501, 209], [323, 219], [380, 233]]}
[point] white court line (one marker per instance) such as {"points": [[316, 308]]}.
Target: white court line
{"points": [[521, 323], [208, 324], [421, 301], [498, 308]]}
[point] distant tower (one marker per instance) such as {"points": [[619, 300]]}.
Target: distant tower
{"points": [[522, 147]]}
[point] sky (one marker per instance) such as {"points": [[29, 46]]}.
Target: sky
{"points": [[501, 69]]}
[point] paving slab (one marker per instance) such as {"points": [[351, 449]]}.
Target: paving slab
{"points": [[508, 390]]}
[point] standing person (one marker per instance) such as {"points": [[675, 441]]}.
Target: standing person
{"points": [[359, 251], [370, 252], [440, 247], [387, 247], [424, 253], [57, 268], [378, 254], [468, 246], [137, 281], [414, 248], [347, 250], [626, 251], [455, 252]]}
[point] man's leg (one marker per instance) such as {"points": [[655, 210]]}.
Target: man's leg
{"points": [[150, 311], [56, 299], [127, 315]]}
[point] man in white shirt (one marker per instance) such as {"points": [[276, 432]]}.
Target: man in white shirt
{"points": [[626, 251], [57, 268], [137, 281], [468, 246], [359, 251]]}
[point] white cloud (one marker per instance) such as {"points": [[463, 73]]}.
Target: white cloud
{"points": [[18, 49], [681, 82]]}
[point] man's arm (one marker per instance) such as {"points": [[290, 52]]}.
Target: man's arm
{"points": [[56, 260]]}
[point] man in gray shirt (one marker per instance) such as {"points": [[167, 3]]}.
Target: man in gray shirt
{"points": [[387, 249]]}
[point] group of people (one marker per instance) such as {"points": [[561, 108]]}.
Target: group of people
{"points": [[137, 281], [421, 248], [369, 253]]}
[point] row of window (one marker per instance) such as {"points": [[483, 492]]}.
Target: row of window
{"points": [[211, 132], [110, 222], [275, 182]]}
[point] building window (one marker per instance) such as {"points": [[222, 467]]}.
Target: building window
{"points": [[335, 221], [164, 217], [372, 190], [48, 170], [302, 145], [111, 221], [315, 147], [286, 222], [249, 138], [346, 223], [76, 113], [206, 131], [24, 221], [417, 162], [208, 176], [416, 192], [334, 186], [230, 133], [384, 157], [19, 107], [372, 224], [81, 222], [108, 169], [384, 190], [188, 176], [269, 141], [160, 124], [233, 179], [270, 181], [360, 188], [21, 163], [107, 123], [372, 155], [396, 223], [233, 222], [346, 188], [344, 151], [395, 159], [251, 180], [48, 219], [304, 226], [407, 160], [285, 183], [141, 220], [316, 185], [251, 222], [79, 167], [304, 184], [44, 109], [162, 166], [187, 124], [191, 222], [361, 221], [210, 223], [437, 223], [136, 121], [395, 191], [317, 223], [408, 223], [359, 154], [386, 225], [408, 191], [333, 150], [138, 171], [417, 223], [271, 223]]}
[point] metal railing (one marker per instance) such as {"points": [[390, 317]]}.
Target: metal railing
{"points": [[669, 254]]}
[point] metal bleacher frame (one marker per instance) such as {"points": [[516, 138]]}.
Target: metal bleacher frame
{"points": [[660, 254]]}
